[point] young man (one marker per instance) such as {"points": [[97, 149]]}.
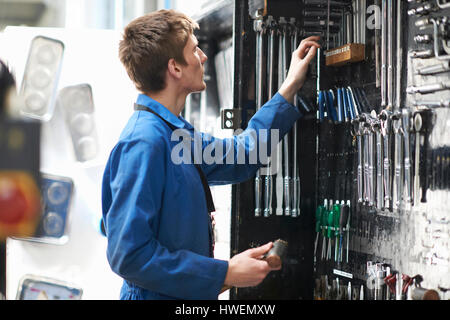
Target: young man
{"points": [[156, 210]]}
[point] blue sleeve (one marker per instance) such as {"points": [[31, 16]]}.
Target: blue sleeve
{"points": [[133, 187], [237, 159]]}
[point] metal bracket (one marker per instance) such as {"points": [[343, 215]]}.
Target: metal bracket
{"points": [[233, 118]]}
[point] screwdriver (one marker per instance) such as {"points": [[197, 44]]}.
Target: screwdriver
{"points": [[319, 213], [330, 222], [336, 218], [342, 225], [324, 227]]}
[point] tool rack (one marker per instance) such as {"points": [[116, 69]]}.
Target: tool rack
{"points": [[401, 240]]}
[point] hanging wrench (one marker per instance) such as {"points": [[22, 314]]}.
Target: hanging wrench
{"points": [[376, 127], [398, 160], [386, 129], [406, 124]]}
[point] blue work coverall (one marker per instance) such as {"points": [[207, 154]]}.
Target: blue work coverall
{"points": [[154, 210]]}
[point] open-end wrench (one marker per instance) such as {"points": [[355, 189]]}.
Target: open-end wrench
{"points": [[386, 129], [406, 124], [398, 160], [376, 127], [366, 154], [371, 161]]}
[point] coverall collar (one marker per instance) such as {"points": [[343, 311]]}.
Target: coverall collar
{"points": [[165, 113]]}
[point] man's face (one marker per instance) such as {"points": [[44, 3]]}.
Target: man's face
{"points": [[192, 78]]}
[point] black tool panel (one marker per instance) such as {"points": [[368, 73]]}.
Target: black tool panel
{"points": [[394, 244]]}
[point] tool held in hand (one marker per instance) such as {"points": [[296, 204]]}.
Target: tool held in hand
{"points": [[274, 257]]}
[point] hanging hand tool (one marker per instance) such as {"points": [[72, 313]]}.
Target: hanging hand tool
{"points": [[386, 129], [281, 76], [258, 26], [268, 186], [319, 213], [295, 169], [286, 140], [358, 129], [428, 88], [330, 228], [325, 214], [376, 127], [390, 54], [343, 225], [398, 160], [399, 53], [340, 104], [407, 156], [442, 67], [384, 53], [336, 224], [329, 98]]}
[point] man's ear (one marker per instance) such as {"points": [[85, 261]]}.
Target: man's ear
{"points": [[174, 69]]}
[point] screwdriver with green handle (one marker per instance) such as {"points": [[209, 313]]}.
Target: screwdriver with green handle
{"points": [[330, 228], [324, 227]]}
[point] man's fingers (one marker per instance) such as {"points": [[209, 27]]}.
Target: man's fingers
{"points": [[310, 55], [305, 47], [259, 251]]}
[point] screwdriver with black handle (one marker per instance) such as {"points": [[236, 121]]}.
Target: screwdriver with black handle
{"points": [[343, 224]]}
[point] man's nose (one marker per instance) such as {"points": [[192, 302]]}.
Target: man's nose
{"points": [[204, 57]]}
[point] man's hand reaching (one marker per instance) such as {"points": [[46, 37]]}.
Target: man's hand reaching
{"points": [[300, 60]]}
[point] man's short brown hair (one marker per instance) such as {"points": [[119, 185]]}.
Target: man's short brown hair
{"points": [[149, 42]]}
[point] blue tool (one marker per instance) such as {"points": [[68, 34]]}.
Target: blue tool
{"points": [[321, 106], [345, 105], [340, 104], [350, 104], [330, 105]]}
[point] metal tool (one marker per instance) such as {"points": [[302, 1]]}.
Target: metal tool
{"points": [[295, 170], [383, 54], [279, 181], [398, 160], [268, 186], [407, 153], [376, 127], [386, 129], [417, 128], [258, 26], [390, 54], [276, 254], [358, 129], [434, 69], [428, 88]]}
